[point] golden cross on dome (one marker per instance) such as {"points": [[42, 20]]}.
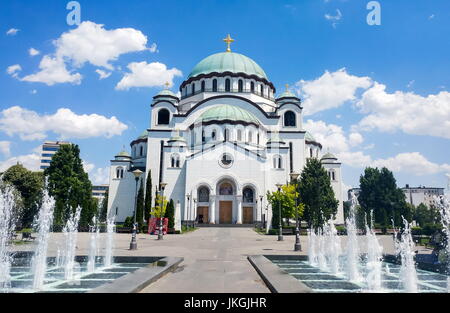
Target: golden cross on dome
{"points": [[167, 84], [287, 87], [228, 40]]}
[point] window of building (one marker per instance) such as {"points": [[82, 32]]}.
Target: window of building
{"points": [[175, 160], [227, 134], [141, 151], [252, 87], [257, 138], [203, 86], [213, 135], [119, 173], [203, 136], [227, 85], [248, 195], [240, 85], [203, 194], [163, 117], [226, 160], [193, 88], [262, 90], [250, 137], [214, 85], [277, 162], [239, 135], [289, 119], [311, 152]]}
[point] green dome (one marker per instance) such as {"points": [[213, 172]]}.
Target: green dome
{"points": [[329, 156], [227, 112], [228, 62], [123, 153], [287, 94], [166, 92], [143, 135], [309, 137]]}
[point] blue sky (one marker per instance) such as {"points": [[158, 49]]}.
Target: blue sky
{"points": [[378, 95]]}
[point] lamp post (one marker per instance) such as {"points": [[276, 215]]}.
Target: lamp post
{"points": [[280, 234], [260, 217], [297, 246], [133, 244], [188, 206], [195, 213], [162, 186]]}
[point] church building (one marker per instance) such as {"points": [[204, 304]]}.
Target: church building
{"points": [[219, 145]]}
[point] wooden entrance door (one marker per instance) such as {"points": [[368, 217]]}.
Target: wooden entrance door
{"points": [[202, 215], [248, 215], [226, 212]]}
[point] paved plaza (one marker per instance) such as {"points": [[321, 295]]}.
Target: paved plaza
{"points": [[215, 258]]}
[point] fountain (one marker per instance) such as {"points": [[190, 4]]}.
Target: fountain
{"points": [[333, 246], [408, 274], [109, 241], [70, 232], [94, 231], [443, 204], [312, 243], [7, 226], [374, 259], [43, 224], [352, 253]]}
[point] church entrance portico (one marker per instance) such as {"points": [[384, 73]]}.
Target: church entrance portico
{"points": [[225, 212]]}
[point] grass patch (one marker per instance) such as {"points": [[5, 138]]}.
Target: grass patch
{"points": [[185, 229]]}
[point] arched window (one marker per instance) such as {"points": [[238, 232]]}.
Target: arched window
{"points": [[239, 135], [163, 117], [250, 137], [175, 160], [141, 150], [203, 86], [252, 87], [203, 136], [289, 119], [240, 85], [203, 194], [311, 152], [333, 177], [213, 135], [257, 138], [248, 195], [226, 189], [277, 162], [214, 85], [226, 136], [227, 85], [262, 90], [119, 173], [193, 88]]}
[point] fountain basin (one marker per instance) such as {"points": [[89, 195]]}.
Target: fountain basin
{"points": [[127, 274], [313, 279]]}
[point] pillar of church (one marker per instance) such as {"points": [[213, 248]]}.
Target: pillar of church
{"points": [[212, 209], [239, 209]]}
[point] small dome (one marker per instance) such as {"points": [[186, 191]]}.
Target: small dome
{"points": [[143, 135], [309, 137], [123, 153], [228, 62], [166, 92], [287, 94], [329, 156], [229, 113]]}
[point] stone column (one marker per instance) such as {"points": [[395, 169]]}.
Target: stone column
{"points": [[178, 216], [212, 209], [239, 209]]}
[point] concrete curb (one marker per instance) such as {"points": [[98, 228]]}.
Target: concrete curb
{"points": [[277, 280], [141, 278]]}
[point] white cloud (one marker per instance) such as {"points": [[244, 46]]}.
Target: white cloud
{"points": [[103, 74], [53, 71], [408, 112], [100, 176], [33, 52], [12, 32], [331, 90], [33, 92], [145, 74], [334, 18], [29, 161], [5, 148], [13, 70], [355, 139], [88, 43], [88, 166], [29, 125]]}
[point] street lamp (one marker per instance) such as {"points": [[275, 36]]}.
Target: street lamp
{"points": [[133, 244], [195, 212], [297, 246], [260, 217], [162, 186], [280, 234], [188, 206]]}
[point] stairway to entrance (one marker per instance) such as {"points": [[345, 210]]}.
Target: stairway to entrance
{"points": [[226, 225]]}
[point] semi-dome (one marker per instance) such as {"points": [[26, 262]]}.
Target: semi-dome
{"points": [[227, 113], [228, 62]]}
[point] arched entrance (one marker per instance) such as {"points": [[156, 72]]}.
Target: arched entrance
{"points": [[248, 205], [226, 200]]}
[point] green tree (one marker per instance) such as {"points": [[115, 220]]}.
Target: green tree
{"points": [[68, 183], [287, 198], [30, 186], [316, 194], [159, 210], [103, 214], [89, 209], [380, 194], [170, 214], [140, 206], [424, 215], [148, 196]]}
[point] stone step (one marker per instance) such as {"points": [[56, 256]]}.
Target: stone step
{"points": [[225, 225]]}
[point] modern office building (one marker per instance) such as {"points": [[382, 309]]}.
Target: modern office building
{"points": [[49, 149]]}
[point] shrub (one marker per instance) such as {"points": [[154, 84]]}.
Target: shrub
{"points": [[129, 222]]}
